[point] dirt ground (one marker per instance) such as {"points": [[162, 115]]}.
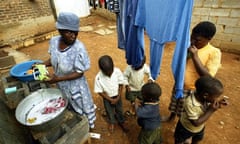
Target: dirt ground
{"points": [[222, 128]]}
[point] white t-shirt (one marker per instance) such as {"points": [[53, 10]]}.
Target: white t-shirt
{"points": [[110, 85], [135, 78]]}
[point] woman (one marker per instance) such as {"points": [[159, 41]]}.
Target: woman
{"points": [[70, 60]]}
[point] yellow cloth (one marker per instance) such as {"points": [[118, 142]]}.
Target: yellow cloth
{"points": [[210, 58], [41, 71], [193, 110]]}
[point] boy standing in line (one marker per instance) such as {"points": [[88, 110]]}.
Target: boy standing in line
{"points": [[109, 84], [134, 80], [148, 114], [203, 60], [198, 108]]}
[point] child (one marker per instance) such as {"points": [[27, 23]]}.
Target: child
{"points": [[134, 80], [198, 108], [149, 115], [203, 59], [108, 84]]}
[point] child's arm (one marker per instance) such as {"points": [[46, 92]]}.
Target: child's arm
{"points": [[138, 103], [120, 90], [148, 73], [203, 118], [202, 70], [119, 94]]}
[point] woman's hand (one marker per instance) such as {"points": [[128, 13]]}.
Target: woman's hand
{"points": [[52, 78]]}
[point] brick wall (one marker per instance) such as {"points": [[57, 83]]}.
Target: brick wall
{"points": [[226, 15], [21, 20]]}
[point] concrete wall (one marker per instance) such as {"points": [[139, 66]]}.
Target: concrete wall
{"points": [[24, 22]]}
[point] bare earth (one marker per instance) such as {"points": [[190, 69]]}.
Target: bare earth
{"points": [[222, 128]]}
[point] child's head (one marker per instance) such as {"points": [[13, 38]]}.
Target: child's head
{"points": [[142, 64], [151, 92], [202, 33], [208, 88], [106, 65]]}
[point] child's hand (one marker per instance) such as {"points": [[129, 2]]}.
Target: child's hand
{"points": [[223, 102], [114, 100], [192, 49], [214, 106], [138, 102]]}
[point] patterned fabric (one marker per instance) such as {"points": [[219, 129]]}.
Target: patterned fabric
{"points": [[113, 6], [73, 59], [177, 105]]}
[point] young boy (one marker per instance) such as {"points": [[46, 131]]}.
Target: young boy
{"points": [[198, 108], [203, 60], [148, 114], [134, 80], [109, 84]]}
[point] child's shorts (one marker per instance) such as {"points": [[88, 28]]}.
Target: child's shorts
{"points": [[150, 136], [132, 95], [181, 134]]}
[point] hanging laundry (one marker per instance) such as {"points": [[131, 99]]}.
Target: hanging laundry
{"points": [[134, 35], [117, 7], [166, 21]]}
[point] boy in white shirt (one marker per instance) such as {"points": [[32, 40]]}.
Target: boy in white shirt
{"points": [[134, 80], [109, 84]]}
